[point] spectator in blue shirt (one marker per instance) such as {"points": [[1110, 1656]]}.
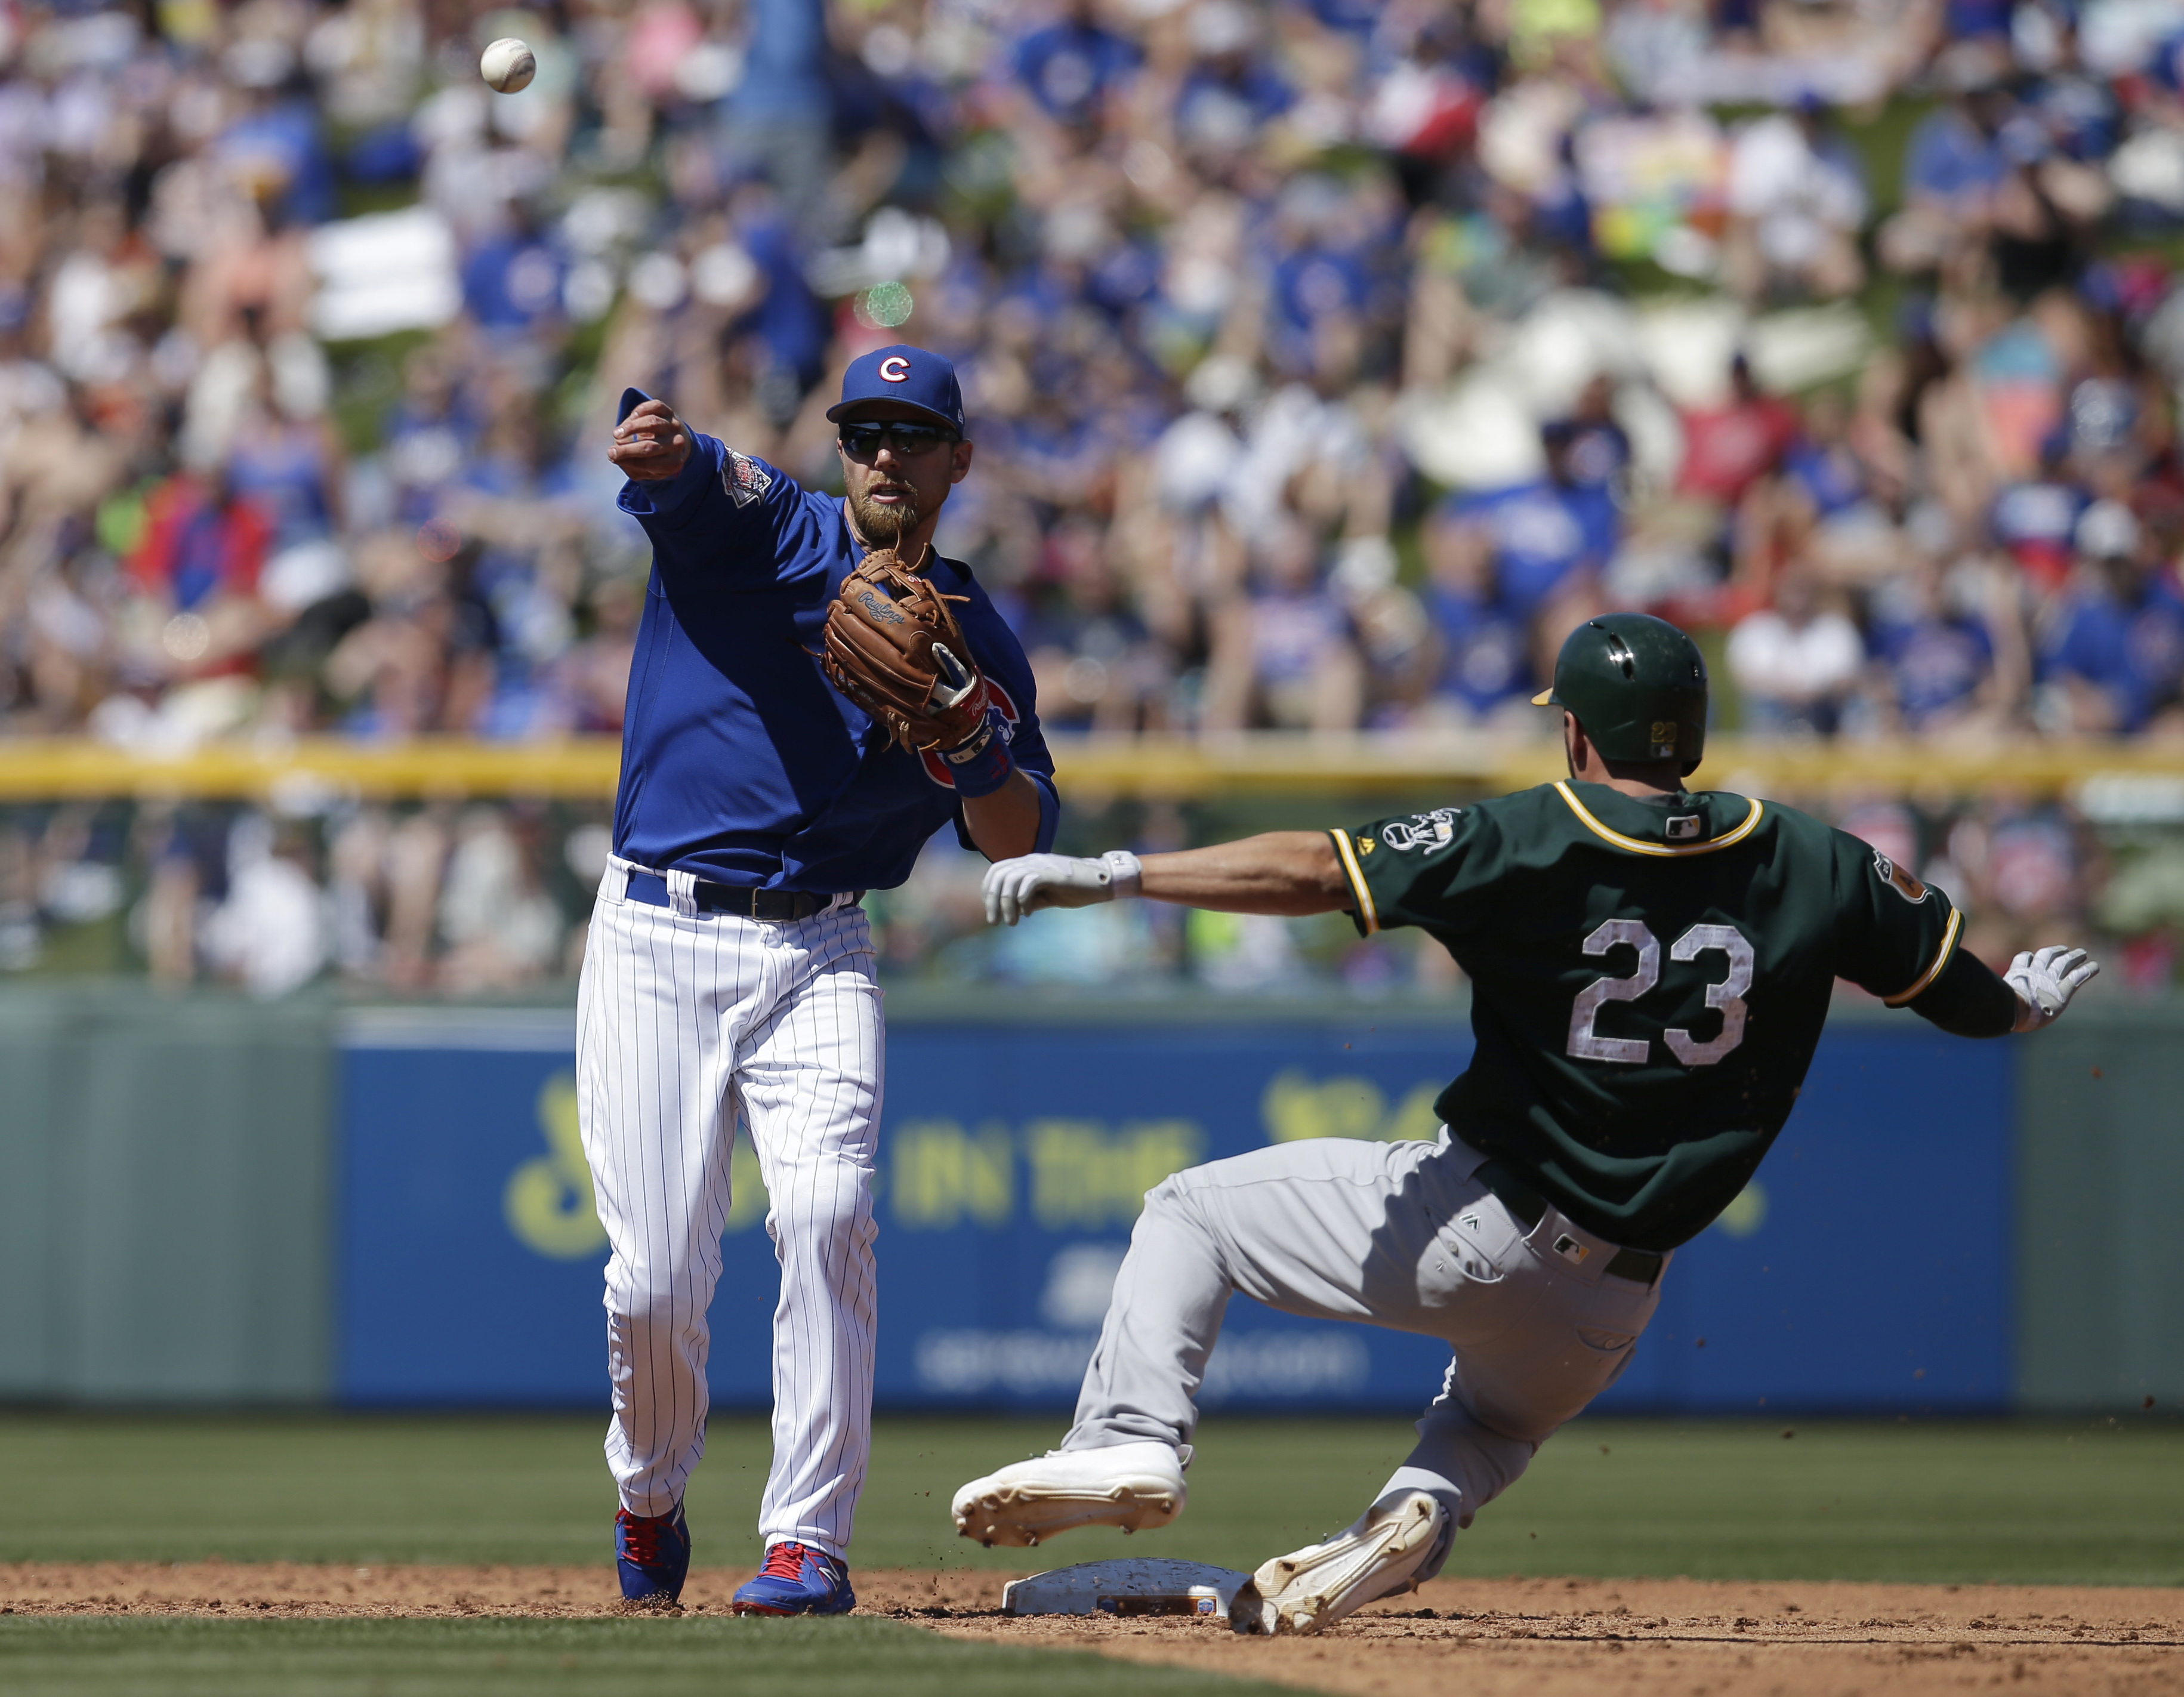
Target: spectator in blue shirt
{"points": [[1937, 664], [1547, 532], [1358, 18], [1484, 668], [278, 148], [1230, 92], [1820, 466], [1952, 167], [428, 434], [1954, 159], [1072, 65], [1599, 452], [1311, 287], [1968, 20], [289, 463], [512, 280], [2113, 656], [780, 118], [2079, 114], [1283, 653], [786, 318]]}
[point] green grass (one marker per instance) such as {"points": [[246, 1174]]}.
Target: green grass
{"points": [[2092, 1503], [2095, 1502], [91, 1656]]}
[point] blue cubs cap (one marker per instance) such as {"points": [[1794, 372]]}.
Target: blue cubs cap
{"points": [[908, 375]]}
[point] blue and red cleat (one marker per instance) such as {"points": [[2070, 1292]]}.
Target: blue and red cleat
{"points": [[797, 1580], [652, 1554]]}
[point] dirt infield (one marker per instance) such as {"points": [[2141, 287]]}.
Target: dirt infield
{"points": [[1501, 1637]]}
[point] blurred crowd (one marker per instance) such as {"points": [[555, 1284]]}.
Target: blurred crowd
{"points": [[479, 897], [1326, 360]]}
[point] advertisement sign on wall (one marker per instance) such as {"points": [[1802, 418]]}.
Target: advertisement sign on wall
{"points": [[1865, 1269]]}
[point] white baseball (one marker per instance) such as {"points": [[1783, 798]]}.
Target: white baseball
{"points": [[507, 65]]}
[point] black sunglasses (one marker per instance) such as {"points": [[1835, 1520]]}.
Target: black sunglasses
{"points": [[907, 440]]}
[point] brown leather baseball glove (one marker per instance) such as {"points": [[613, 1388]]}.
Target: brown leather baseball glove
{"points": [[893, 646]]}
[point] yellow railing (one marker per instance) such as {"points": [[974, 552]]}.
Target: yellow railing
{"points": [[1387, 763], [577, 770], [1154, 768]]}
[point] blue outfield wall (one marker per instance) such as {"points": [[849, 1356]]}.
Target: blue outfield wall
{"points": [[1867, 1268]]}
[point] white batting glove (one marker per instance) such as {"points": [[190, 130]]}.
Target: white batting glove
{"points": [[2045, 980], [1031, 881]]}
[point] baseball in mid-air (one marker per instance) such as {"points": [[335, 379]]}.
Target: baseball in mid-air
{"points": [[507, 65]]}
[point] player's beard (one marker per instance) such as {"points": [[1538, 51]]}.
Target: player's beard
{"points": [[885, 525]]}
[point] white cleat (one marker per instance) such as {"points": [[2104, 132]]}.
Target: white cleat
{"points": [[1317, 1586], [1130, 1485]]}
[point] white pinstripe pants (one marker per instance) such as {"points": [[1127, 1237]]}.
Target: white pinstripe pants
{"points": [[682, 1022]]}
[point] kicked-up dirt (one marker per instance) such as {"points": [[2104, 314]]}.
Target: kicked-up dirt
{"points": [[1488, 1638]]}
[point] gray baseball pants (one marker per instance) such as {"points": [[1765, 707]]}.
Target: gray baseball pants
{"points": [[1402, 1235]]}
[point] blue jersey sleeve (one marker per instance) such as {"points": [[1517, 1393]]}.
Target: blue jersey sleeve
{"points": [[724, 511]]}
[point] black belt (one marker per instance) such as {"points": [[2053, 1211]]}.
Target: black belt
{"points": [[746, 900], [1529, 1207]]}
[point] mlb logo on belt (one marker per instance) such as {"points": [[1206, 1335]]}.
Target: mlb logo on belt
{"points": [[1570, 1249]]}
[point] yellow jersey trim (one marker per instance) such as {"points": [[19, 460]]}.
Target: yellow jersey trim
{"points": [[1638, 845], [1940, 959], [1356, 873]]}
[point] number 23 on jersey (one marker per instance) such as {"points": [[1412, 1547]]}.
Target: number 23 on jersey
{"points": [[1726, 996]]}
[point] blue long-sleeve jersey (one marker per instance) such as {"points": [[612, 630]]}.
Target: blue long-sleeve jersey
{"points": [[740, 763]]}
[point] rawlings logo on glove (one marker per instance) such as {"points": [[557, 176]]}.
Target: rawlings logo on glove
{"points": [[876, 607], [893, 646]]}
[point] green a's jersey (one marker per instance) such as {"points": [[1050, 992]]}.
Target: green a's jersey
{"points": [[1649, 979]]}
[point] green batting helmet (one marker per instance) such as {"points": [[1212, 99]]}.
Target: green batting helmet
{"points": [[1637, 684]]}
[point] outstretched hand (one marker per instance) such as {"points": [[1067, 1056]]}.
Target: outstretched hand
{"points": [[2045, 980], [1031, 881], [651, 445]]}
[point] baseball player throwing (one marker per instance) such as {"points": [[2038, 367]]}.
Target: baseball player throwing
{"points": [[813, 695], [1652, 969]]}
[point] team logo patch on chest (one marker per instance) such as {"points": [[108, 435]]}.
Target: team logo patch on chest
{"points": [[1422, 831], [1905, 885]]}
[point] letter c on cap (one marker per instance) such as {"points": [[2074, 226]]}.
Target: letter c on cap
{"points": [[894, 369]]}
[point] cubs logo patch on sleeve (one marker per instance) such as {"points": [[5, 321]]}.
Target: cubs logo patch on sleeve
{"points": [[1905, 885], [1422, 831], [744, 480]]}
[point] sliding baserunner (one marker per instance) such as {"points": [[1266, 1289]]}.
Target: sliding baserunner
{"points": [[1652, 967]]}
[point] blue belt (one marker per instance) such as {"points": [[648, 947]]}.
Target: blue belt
{"points": [[745, 901]]}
